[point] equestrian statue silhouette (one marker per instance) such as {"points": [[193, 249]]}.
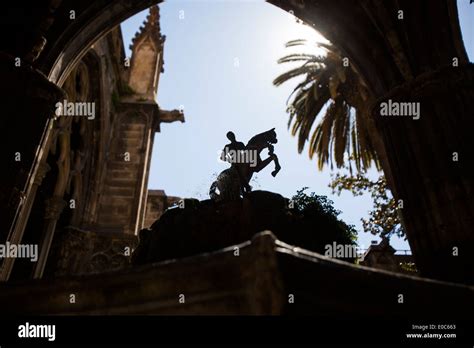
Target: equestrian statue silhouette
{"points": [[233, 183]]}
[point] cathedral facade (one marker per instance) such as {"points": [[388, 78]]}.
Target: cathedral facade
{"points": [[93, 197]]}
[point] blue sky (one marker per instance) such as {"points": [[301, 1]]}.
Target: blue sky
{"points": [[220, 61]]}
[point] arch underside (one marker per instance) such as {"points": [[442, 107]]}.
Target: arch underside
{"points": [[397, 58]]}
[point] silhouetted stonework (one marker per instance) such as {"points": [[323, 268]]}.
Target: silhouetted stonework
{"points": [[85, 252], [415, 63], [157, 203], [206, 226], [94, 175], [257, 282], [383, 256]]}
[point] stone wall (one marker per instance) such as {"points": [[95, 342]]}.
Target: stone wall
{"points": [[257, 282], [87, 252], [157, 203], [383, 256]]}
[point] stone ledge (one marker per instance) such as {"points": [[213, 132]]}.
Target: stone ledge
{"points": [[258, 281]]}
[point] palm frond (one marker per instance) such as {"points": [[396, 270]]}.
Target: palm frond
{"points": [[291, 74], [341, 131], [297, 42], [339, 91], [297, 57], [325, 127]]}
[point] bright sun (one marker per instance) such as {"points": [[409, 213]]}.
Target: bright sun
{"points": [[298, 30]]}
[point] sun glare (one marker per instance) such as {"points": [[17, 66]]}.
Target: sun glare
{"points": [[299, 30]]}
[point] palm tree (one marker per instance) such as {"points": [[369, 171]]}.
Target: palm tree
{"points": [[338, 94]]}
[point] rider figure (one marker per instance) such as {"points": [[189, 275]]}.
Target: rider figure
{"points": [[230, 154]]}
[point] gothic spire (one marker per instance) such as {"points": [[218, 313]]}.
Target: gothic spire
{"points": [[151, 28]]}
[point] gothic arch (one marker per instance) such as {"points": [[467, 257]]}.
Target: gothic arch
{"points": [[407, 57]]}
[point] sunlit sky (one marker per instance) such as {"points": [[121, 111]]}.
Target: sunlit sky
{"points": [[220, 62]]}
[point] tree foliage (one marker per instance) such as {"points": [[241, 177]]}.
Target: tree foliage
{"points": [[384, 219], [319, 211]]}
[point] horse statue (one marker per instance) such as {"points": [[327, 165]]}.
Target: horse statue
{"points": [[233, 183]]}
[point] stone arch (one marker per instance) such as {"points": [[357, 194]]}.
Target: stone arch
{"points": [[364, 43], [94, 22], [398, 58]]}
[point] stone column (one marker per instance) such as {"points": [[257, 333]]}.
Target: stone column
{"points": [[28, 101], [24, 208], [431, 160], [54, 207]]}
